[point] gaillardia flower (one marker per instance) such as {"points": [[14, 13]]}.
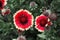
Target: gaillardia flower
{"points": [[41, 22], [2, 4], [23, 19], [5, 11]]}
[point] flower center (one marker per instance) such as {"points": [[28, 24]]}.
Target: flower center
{"points": [[23, 19], [0, 4], [43, 22]]}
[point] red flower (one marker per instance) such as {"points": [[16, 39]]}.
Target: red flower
{"points": [[2, 4], [5, 12], [23, 19], [41, 22]]}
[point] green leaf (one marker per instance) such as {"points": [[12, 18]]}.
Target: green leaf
{"points": [[42, 36]]}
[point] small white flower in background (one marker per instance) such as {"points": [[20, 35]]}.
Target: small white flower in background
{"points": [[21, 38], [33, 4], [49, 11]]}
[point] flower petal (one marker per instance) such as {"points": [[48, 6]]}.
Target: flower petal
{"points": [[40, 28]]}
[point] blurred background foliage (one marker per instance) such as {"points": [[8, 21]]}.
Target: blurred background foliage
{"points": [[8, 30]]}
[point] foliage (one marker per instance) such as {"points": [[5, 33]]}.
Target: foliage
{"points": [[8, 30]]}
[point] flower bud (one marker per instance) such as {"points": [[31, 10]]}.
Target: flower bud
{"points": [[21, 38], [32, 4], [53, 16], [5, 12]]}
